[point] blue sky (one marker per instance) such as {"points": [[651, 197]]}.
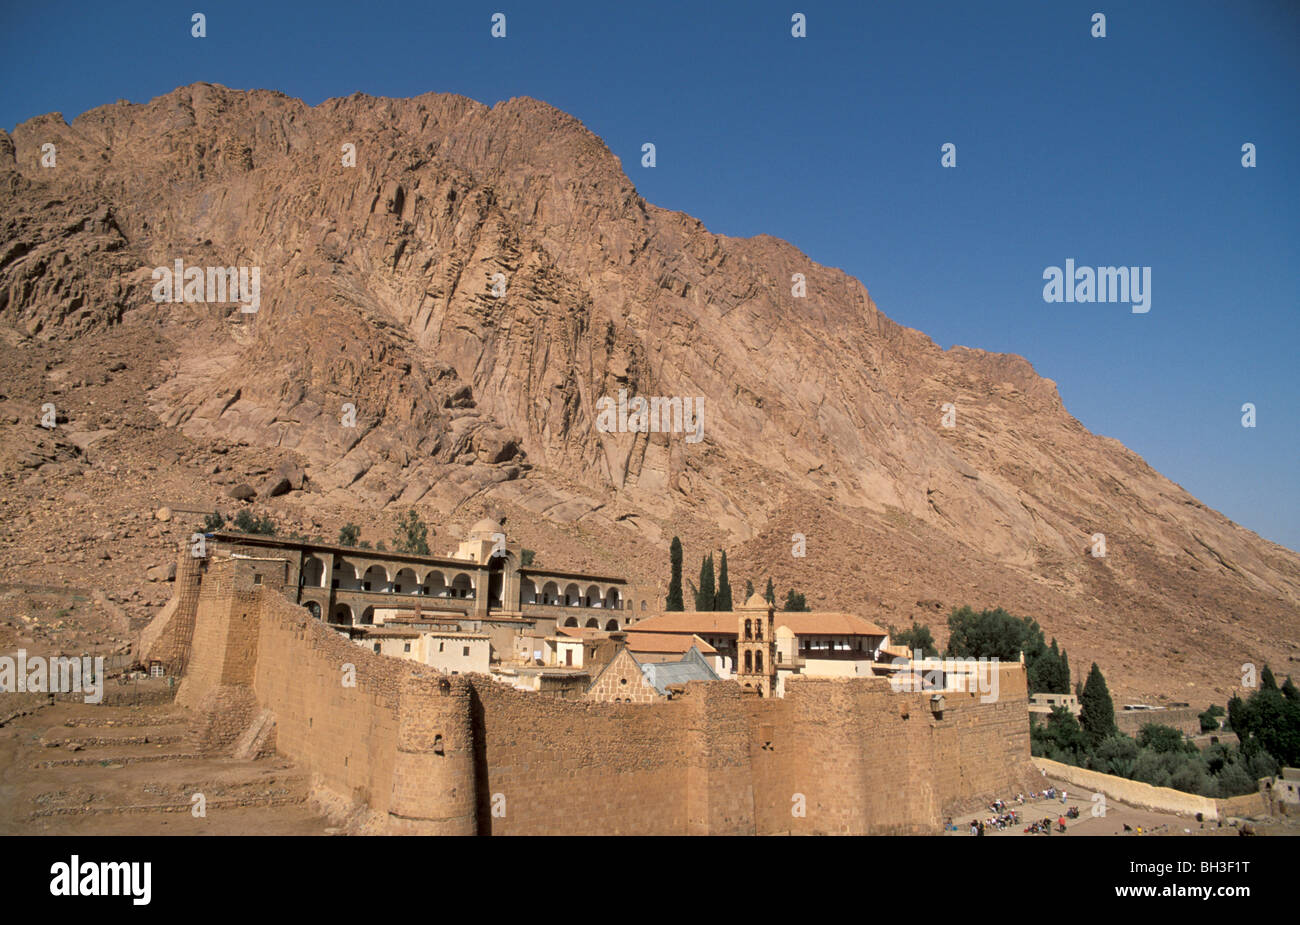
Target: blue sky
{"points": [[1117, 150]]}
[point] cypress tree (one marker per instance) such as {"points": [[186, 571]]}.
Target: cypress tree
{"points": [[1289, 690], [724, 586], [749, 590], [706, 596], [770, 594], [1097, 710], [1266, 680], [675, 602]]}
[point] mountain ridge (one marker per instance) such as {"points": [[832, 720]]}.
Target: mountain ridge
{"points": [[819, 410]]}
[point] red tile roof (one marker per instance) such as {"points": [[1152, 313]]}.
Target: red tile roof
{"points": [[667, 642], [817, 623]]}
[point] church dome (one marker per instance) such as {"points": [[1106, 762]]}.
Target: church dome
{"points": [[756, 602], [484, 529]]}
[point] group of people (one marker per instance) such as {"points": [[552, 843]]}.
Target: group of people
{"points": [[1003, 817], [1044, 826], [1000, 821]]}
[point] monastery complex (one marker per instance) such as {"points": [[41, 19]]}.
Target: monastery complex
{"points": [[423, 687]]}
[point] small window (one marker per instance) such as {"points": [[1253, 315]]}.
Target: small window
{"points": [[407, 647], [466, 652], [441, 645], [257, 578], [376, 647]]}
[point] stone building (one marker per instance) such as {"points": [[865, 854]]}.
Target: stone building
{"points": [[627, 679], [480, 589], [815, 644], [439, 645], [756, 647], [425, 752]]}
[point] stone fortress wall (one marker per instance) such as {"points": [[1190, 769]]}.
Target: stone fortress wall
{"points": [[436, 754]]}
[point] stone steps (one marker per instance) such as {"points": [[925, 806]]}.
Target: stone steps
{"points": [[109, 755], [231, 786]]}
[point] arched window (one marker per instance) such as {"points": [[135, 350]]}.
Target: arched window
{"points": [[593, 623], [405, 582], [572, 596], [611, 625], [758, 662], [758, 629], [313, 572], [434, 585], [313, 608], [572, 621], [749, 630], [375, 579], [551, 594], [346, 576], [749, 662], [342, 615]]}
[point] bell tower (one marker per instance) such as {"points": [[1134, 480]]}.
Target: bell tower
{"points": [[756, 647]]}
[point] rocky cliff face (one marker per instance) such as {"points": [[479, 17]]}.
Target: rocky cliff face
{"points": [[821, 416]]}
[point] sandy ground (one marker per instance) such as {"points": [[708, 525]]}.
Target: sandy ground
{"points": [[1113, 822], [76, 769]]}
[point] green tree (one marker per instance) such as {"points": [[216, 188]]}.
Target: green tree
{"points": [[675, 602], [526, 557], [992, 634], [412, 535], [1289, 690], [1266, 680], [1276, 725], [918, 637], [1209, 722], [214, 521], [1115, 754], [724, 586], [998, 634], [1049, 673], [749, 590], [1234, 780], [349, 535], [795, 602], [1238, 717], [706, 594], [1097, 710], [246, 522], [770, 594], [1162, 738], [1060, 740]]}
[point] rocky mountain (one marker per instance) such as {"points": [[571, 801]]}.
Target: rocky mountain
{"points": [[444, 293]]}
